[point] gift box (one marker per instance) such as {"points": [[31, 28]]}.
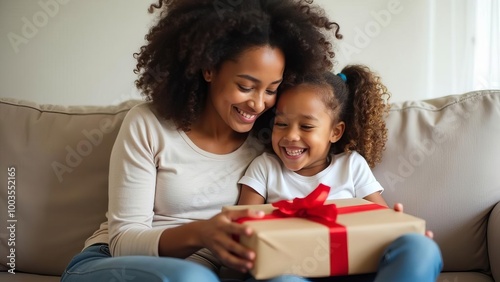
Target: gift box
{"points": [[311, 237]]}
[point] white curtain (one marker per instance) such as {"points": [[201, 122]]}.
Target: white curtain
{"points": [[464, 46], [486, 64]]}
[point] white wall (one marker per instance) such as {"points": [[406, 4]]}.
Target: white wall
{"points": [[70, 51], [390, 37], [80, 52]]}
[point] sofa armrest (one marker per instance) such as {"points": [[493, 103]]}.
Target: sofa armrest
{"points": [[493, 242]]}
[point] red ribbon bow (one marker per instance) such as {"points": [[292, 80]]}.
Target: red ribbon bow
{"points": [[311, 207]]}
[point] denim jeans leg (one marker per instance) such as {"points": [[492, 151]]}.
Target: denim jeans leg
{"points": [[410, 258], [96, 264]]}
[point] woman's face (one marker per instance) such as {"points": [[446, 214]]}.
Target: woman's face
{"points": [[242, 89]]}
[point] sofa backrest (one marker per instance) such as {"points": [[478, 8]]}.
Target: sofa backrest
{"points": [[58, 159], [442, 162]]}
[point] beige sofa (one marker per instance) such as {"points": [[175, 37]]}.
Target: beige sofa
{"points": [[442, 161]]}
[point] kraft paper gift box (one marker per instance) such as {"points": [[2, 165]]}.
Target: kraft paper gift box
{"points": [[311, 237]]}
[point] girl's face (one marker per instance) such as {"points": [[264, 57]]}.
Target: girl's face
{"points": [[242, 89], [304, 130]]}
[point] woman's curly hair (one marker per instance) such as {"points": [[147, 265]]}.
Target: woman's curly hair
{"points": [[195, 35], [363, 101]]}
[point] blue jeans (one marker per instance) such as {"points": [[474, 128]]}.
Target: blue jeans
{"points": [[410, 258], [95, 263]]}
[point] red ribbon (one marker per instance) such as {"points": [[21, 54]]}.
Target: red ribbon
{"points": [[312, 207]]}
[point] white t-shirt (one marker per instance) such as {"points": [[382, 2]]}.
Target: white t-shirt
{"points": [[348, 176], [160, 179]]}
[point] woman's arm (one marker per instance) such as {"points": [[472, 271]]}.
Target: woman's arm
{"points": [[216, 234], [132, 192], [132, 187]]}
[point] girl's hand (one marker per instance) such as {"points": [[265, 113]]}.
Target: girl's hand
{"points": [[218, 234], [399, 208]]}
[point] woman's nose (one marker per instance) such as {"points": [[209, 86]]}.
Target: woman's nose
{"points": [[257, 102]]}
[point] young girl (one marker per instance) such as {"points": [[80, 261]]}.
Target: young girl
{"points": [[330, 129], [209, 71], [326, 130]]}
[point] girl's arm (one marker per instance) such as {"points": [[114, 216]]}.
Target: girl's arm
{"points": [[376, 198], [249, 196]]}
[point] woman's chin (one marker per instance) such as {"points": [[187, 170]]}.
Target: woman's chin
{"points": [[243, 128]]}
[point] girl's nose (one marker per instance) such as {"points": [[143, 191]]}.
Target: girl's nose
{"points": [[292, 134]]}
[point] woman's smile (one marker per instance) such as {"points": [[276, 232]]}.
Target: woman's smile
{"points": [[245, 116]]}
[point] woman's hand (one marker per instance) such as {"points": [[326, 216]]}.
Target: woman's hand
{"points": [[218, 235], [399, 208]]}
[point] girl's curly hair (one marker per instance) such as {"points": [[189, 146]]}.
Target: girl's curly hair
{"points": [[195, 35], [363, 101]]}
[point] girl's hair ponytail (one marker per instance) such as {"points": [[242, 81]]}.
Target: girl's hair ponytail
{"points": [[363, 102]]}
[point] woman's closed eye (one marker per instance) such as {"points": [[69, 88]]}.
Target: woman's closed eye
{"points": [[271, 92], [245, 89]]}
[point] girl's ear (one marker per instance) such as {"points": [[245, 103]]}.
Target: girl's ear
{"points": [[337, 132], [207, 75]]}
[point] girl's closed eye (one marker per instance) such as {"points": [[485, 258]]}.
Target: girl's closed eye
{"points": [[307, 127], [280, 124]]}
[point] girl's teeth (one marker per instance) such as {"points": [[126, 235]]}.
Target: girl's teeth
{"points": [[294, 152]]}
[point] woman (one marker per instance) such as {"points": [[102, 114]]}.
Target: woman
{"points": [[209, 70]]}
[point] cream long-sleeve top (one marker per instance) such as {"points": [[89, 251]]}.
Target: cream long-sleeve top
{"points": [[160, 179]]}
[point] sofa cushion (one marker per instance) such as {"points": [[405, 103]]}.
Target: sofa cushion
{"points": [[464, 277], [60, 155], [442, 162]]}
